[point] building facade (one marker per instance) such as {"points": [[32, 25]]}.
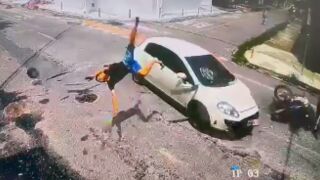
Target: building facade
{"points": [[124, 8]]}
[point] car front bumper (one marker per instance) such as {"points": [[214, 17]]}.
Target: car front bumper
{"points": [[244, 123]]}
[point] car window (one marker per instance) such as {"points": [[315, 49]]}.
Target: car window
{"points": [[209, 71], [169, 59]]}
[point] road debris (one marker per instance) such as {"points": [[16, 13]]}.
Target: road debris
{"points": [[64, 98], [36, 82], [44, 101], [86, 98], [85, 151], [33, 73], [84, 138], [58, 75]]}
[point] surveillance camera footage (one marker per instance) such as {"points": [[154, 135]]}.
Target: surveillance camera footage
{"points": [[159, 89]]}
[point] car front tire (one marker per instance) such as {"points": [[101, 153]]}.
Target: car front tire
{"points": [[198, 115]]}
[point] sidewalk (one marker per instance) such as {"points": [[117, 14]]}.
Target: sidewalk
{"points": [[275, 55], [231, 30]]}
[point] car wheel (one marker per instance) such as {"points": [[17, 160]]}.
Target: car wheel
{"points": [[138, 79], [198, 114]]}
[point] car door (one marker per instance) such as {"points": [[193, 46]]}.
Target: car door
{"points": [[166, 78], [163, 78]]}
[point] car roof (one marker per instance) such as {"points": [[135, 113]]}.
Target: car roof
{"points": [[180, 47]]}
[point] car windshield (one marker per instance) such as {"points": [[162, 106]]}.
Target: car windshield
{"points": [[209, 71]]}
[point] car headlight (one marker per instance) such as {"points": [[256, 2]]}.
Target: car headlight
{"points": [[227, 109]]}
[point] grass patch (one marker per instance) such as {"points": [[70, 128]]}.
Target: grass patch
{"points": [[293, 79], [239, 57]]}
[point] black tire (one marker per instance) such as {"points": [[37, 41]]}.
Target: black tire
{"points": [[198, 114], [138, 79], [286, 90]]}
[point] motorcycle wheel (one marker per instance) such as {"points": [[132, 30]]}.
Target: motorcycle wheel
{"points": [[282, 91]]}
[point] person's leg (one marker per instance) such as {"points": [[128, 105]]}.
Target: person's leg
{"points": [[114, 98], [134, 32], [115, 103]]}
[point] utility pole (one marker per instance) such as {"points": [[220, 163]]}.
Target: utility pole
{"points": [[286, 4], [307, 40]]}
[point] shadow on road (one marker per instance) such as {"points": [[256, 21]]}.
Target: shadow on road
{"points": [[238, 134], [28, 122], [4, 24], [125, 115], [10, 97]]}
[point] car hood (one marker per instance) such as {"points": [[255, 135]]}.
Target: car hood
{"points": [[237, 95]]}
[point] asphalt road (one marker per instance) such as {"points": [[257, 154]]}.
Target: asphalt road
{"points": [[163, 145]]}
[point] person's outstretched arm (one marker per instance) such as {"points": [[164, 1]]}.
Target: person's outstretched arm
{"points": [[146, 70], [134, 32]]}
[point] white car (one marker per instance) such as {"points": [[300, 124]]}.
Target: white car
{"points": [[195, 79]]}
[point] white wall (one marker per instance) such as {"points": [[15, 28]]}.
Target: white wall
{"points": [[143, 8], [71, 4], [178, 5], [138, 7]]}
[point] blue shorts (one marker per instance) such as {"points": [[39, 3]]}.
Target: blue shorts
{"points": [[129, 61]]}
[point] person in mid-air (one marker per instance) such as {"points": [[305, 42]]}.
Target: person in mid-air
{"points": [[113, 73]]}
